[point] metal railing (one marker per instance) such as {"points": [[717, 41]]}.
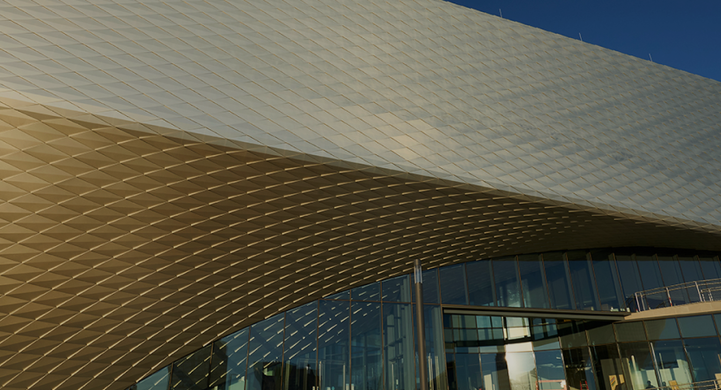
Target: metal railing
{"points": [[677, 294], [703, 385]]}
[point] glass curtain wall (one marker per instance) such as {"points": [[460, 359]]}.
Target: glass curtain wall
{"points": [[364, 338]]}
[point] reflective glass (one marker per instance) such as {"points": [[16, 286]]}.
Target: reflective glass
{"points": [[662, 329], [453, 285], [369, 292], [673, 279], [651, 279], [432, 319], [191, 372], [430, 287], [697, 326], [579, 370], [521, 370], [266, 354], [572, 334], [495, 371], [559, 283], [691, 273], [230, 357], [671, 361], [637, 363], [630, 331], [481, 291], [451, 368], [630, 280], [710, 267], [549, 367], [299, 367], [544, 334], [333, 347], [607, 366], [157, 381], [704, 357], [609, 287], [397, 289], [468, 371], [398, 345], [533, 281], [344, 295], [584, 283], [366, 346], [600, 333], [505, 272]]}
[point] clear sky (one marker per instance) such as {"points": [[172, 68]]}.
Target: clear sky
{"points": [[681, 34]]}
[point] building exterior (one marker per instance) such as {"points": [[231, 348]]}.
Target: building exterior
{"points": [[177, 172]]}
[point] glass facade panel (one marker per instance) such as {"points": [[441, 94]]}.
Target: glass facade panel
{"points": [[366, 346], [158, 381], [559, 281], [266, 354], [333, 344], [369, 292], [430, 287], [710, 267], [433, 321], [691, 273], [672, 275], [651, 279], [697, 326], [600, 333], [584, 283], [481, 291], [549, 367], [630, 280], [300, 371], [397, 289], [579, 370], [608, 368], [533, 281], [191, 372], [704, 357], [508, 289], [398, 346], [607, 280], [495, 371], [521, 370], [673, 368], [572, 333], [468, 371], [637, 363], [453, 285], [230, 357], [630, 331], [662, 329]]}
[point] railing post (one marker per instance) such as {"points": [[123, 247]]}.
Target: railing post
{"points": [[668, 294], [700, 297], [638, 305]]}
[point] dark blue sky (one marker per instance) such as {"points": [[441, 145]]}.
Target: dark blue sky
{"points": [[682, 34]]}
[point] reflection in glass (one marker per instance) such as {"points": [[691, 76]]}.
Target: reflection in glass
{"points": [[397, 289], [266, 354], [630, 280], [299, 367], [584, 284], [710, 267], [157, 381], [521, 370], [366, 346], [549, 366], [533, 281], [544, 334], [230, 356], [704, 357], [651, 279], [572, 333], [691, 272], [559, 281], [333, 348], [369, 292], [579, 370], [495, 371], [453, 285], [671, 273], [399, 355], [638, 365], [607, 366], [600, 333], [662, 329], [505, 271], [481, 291], [697, 326], [433, 321], [671, 362], [630, 331], [468, 371], [609, 290], [191, 372]]}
